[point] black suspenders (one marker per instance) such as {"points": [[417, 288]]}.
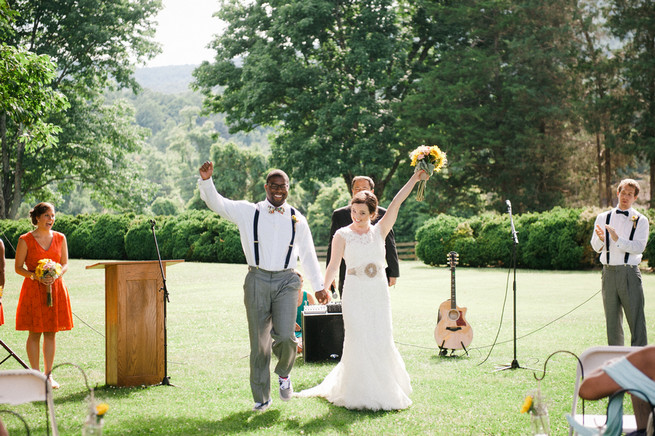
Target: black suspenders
{"points": [[632, 234], [607, 238], [256, 237]]}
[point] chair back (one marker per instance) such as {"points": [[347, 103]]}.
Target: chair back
{"points": [[27, 385], [592, 359]]}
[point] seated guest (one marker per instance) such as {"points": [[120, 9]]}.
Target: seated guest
{"points": [[305, 298], [634, 372]]}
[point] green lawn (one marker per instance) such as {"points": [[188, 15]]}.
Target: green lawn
{"points": [[208, 356]]}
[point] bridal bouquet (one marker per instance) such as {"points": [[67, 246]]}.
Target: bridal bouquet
{"points": [[48, 268], [431, 159]]}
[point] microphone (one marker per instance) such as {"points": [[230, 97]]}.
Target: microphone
{"points": [[152, 223], [509, 205]]}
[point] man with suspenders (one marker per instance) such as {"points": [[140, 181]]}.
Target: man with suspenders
{"points": [[620, 236], [273, 236]]}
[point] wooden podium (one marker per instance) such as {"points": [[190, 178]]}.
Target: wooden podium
{"points": [[134, 322]]}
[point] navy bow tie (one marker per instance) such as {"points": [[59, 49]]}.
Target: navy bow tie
{"points": [[273, 209], [623, 212]]}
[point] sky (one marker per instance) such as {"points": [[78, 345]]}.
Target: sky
{"points": [[184, 29]]}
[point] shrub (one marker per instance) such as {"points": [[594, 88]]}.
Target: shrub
{"points": [[164, 206], [551, 241], [434, 239], [139, 241], [557, 239], [11, 231], [108, 237], [80, 240]]}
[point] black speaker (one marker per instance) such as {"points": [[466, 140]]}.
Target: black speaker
{"points": [[322, 336]]}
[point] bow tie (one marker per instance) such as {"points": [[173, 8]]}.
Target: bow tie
{"points": [[273, 209], [623, 212]]}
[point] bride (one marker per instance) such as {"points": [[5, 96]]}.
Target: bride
{"points": [[371, 374]]}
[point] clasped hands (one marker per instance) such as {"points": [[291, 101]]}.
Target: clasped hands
{"points": [[322, 296], [601, 234]]}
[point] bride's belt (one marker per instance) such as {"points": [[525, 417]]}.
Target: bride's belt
{"points": [[367, 270]]}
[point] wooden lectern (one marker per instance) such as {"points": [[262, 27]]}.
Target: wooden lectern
{"points": [[134, 322]]}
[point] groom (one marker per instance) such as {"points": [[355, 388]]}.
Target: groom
{"points": [[273, 235]]}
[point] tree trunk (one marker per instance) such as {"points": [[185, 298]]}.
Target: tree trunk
{"points": [[651, 183], [608, 177], [5, 163], [13, 203], [599, 160]]}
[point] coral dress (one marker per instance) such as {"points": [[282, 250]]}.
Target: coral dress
{"points": [[32, 312], [371, 374]]}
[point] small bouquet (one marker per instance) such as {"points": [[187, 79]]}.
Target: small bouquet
{"points": [[431, 159], [535, 404], [48, 268], [95, 418]]}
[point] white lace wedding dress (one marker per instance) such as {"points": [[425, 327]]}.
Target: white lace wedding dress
{"points": [[371, 374]]}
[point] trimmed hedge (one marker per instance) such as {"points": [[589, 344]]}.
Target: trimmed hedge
{"points": [[199, 236], [556, 239]]}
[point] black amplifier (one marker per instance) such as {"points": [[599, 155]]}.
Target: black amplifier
{"points": [[322, 336]]}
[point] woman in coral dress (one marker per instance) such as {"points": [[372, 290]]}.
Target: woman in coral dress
{"points": [[371, 374], [33, 312]]}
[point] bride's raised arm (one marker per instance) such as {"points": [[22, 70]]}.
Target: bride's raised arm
{"points": [[389, 218]]}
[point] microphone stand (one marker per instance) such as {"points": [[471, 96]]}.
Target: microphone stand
{"points": [[165, 381], [515, 240]]}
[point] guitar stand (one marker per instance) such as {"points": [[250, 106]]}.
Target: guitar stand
{"points": [[12, 354], [443, 352]]}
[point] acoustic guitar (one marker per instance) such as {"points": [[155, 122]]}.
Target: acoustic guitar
{"points": [[452, 331]]}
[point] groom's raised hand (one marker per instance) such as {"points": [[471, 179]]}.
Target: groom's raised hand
{"points": [[206, 170]]}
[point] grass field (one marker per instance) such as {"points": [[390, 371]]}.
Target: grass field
{"points": [[208, 356]]}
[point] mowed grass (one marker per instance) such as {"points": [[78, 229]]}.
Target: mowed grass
{"points": [[208, 356]]}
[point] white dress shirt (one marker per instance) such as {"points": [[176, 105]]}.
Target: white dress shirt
{"points": [[623, 226], [274, 233]]}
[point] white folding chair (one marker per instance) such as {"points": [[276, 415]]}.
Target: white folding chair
{"points": [[592, 359], [24, 386]]}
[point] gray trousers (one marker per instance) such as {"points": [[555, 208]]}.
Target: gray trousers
{"points": [[271, 300], [623, 292]]}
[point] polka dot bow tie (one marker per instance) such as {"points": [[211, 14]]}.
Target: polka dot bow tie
{"points": [[273, 209]]}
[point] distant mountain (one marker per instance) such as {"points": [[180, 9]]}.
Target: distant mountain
{"points": [[173, 79]]}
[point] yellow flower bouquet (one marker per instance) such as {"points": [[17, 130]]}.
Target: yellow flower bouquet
{"points": [[428, 158], [48, 268]]}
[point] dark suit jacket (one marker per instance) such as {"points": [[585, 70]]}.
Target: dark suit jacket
{"points": [[341, 218]]}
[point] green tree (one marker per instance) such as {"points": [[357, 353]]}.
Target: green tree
{"points": [[26, 101], [496, 96], [324, 73], [239, 174], [633, 22], [94, 45]]}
